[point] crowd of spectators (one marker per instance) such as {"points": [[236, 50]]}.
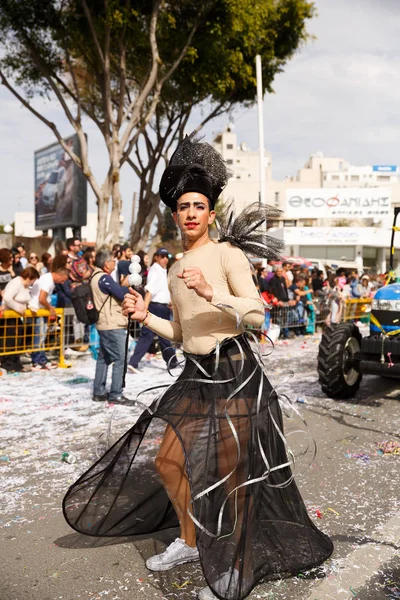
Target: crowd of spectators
{"points": [[300, 296], [32, 282]]}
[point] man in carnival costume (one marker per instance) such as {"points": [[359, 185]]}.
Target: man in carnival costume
{"points": [[223, 470]]}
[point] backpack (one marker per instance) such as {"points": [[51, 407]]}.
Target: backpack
{"points": [[83, 302]]}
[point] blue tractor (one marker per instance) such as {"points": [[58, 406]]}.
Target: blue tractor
{"points": [[344, 355]]}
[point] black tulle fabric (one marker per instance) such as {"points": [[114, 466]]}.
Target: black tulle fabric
{"points": [[121, 494]]}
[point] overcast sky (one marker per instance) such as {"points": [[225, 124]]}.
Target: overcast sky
{"points": [[340, 95]]}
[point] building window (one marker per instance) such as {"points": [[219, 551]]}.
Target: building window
{"points": [[238, 177], [383, 178], [276, 199], [335, 177], [229, 146], [229, 161], [355, 178], [238, 160]]}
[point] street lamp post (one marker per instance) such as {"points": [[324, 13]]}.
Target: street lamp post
{"points": [[260, 104]]}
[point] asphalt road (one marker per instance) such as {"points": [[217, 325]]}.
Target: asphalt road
{"points": [[350, 489]]}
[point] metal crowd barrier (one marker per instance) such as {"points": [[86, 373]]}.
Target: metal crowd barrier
{"points": [[79, 337], [288, 317], [32, 332]]}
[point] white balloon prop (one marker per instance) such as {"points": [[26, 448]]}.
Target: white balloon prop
{"points": [[134, 269]]}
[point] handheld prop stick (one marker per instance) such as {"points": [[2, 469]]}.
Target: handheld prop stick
{"points": [[134, 280]]}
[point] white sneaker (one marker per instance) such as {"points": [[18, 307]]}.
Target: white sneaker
{"points": [[221, 585], [177, 553]]}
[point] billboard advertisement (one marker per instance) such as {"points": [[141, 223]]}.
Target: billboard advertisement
{"points": [[331, 203], [60, 188]]}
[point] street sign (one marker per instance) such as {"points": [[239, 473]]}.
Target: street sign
{"points": [[385, 168]]}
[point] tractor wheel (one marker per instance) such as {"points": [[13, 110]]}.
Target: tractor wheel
{"points": [[337, 374]]}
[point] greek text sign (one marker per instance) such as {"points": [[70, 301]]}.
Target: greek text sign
{"points": [[333, 203]]}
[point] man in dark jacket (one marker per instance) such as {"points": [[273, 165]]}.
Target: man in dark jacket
{"points": [[277, 287]]}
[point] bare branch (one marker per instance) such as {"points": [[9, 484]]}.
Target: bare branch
{"points": [[134, 167], [122, 83], [86, 171], [74, 81], [107, 68], [136, 109], [92, 31]]}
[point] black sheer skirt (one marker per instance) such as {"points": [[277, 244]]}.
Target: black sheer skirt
{"points": [[251, 522]]}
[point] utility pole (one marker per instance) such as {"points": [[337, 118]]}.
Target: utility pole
{"points": [[260, 104]]}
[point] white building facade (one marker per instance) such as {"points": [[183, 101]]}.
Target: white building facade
{"points": [[25, 227], [331, 210]]}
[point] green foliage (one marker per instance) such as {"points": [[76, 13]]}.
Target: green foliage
{"points": [[220, 64], [38, 37]]}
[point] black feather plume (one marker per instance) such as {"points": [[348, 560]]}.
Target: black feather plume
{"points": [[248, 231]]}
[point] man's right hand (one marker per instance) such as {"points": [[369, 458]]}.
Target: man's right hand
{"points": [[133, 305]]}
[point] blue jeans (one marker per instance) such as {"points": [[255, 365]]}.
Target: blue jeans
{"points": [[147, 336], [39, 337], [111, 350]]}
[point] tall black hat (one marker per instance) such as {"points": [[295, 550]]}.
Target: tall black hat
{"points": [[194, 167]]}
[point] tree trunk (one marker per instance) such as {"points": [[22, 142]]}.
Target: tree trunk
{"points": [[113, 227], [102, 212], [147, 211]]}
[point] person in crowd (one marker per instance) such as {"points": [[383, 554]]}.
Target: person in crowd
{"points": [[124, 260], [287, 273], [342, 279], [33, 261], [41, 293], [78, 273], [317, 281], [63, 290], [89, 256], [280, 314], [116, 251], [262, 279], [126, 252], [144, 264], [223, 446], [16, 297], [111, 327], [336, 300], [79, 267], [6, 272], [47, 261], [365, 288], [300, 292], [157, 300], [16, 266], [354, 284], [22, 253]]}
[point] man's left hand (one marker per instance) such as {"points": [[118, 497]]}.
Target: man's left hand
{"points": [[194, 280]]}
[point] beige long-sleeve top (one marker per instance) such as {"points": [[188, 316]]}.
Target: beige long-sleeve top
{"points": [[16, 296], [198, 323]]}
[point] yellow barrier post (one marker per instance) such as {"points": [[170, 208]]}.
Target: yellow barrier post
{"points": [[18, 333]]}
